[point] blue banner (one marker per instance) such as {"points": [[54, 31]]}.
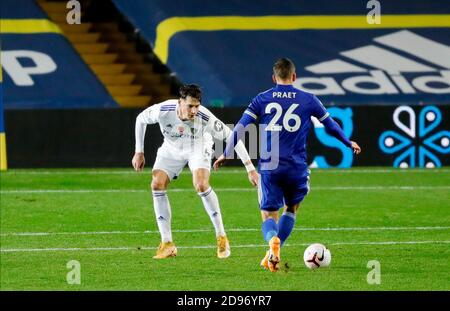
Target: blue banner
{"points": [[341, 56]]}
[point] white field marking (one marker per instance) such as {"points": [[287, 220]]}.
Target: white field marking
{"points": [[128, 248], [232, 171], [229, 230], [318, 188]]}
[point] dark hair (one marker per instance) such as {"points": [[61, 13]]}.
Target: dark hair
{"points": [[192, 90], [283, 68]]}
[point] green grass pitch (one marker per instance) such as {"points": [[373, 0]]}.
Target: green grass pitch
{"points": [[104, 219]]}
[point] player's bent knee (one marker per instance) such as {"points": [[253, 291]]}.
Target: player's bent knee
{"points": [[292, 208], [160, 180], [158, 185], [269, 214], [201, 186]]}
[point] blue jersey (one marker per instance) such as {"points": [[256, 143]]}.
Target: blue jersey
{"points": [[284, 114]]}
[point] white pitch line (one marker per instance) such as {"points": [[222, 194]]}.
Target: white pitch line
{"points": [[5, 234], [318, 188], [38, 191], [233, 171], [379, 171], [101, 232], [127, 248]]}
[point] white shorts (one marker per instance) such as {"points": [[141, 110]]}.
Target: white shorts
{"points": [[172, 162]]}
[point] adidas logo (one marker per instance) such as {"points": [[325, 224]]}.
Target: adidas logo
{"points": [[394, 64]]}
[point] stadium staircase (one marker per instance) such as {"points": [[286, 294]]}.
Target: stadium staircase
{"points": [[108, 45]]}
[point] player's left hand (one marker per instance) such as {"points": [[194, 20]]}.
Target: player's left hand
{"points": [[356, 148], [219, 162], [253, 177]]}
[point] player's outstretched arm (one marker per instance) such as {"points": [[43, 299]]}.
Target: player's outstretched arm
{"points": [[234, 143], [253, 176], [233, 140], [332, 128]]}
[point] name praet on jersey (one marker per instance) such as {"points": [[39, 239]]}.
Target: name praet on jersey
{"points": [[283, 94]]}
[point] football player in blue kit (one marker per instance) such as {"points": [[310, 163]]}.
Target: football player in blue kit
{"points": [[284, 115]]}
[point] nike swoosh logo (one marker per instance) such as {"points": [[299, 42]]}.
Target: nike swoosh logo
{"points": [[323, 255]]}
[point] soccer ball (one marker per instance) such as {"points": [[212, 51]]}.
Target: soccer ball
{"points": [[316, 256]]}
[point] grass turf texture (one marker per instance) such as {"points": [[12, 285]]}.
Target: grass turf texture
{"points": [[105, 220]]}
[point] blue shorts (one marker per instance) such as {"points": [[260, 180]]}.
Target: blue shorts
{"points": [[277, 190]]}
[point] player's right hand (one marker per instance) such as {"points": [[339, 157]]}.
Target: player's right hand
{"points": [[138, 161], [219, 162], [356, 149], [253, 177]]}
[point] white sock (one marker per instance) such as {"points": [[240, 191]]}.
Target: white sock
{"points": [[163, 214], [211, 203]]}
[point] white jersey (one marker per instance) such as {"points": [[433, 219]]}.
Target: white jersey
{"points": [[184, 137]]}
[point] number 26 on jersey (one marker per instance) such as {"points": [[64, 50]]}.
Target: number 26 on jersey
{"points": [[291, 121]]}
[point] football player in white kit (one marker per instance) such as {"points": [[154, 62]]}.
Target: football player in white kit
{"points": [[188, 129]]}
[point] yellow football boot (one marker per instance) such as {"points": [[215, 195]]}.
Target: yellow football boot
{"points": [[274, 254], [165, 250], [223, 247]]}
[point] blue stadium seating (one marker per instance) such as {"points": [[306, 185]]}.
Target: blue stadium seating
{"points": [[41, 70]]}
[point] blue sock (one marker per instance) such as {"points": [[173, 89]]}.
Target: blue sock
{"points": [[285, 225], [269, 229]]}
